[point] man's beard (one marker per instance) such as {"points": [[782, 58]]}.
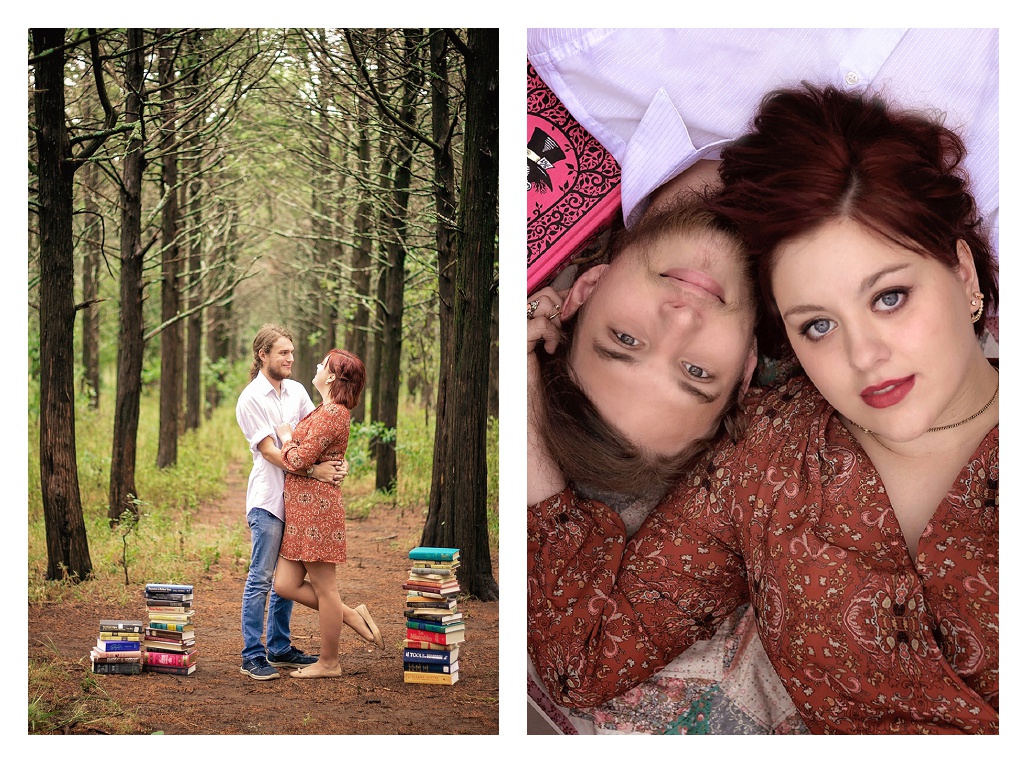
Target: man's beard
{"points": [[277, 375]]}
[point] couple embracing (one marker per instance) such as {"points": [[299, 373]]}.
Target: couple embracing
{"points": [[294, 508]]}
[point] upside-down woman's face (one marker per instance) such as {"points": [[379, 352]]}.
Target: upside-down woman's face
{"points": [[663, 340], [882, 331]]}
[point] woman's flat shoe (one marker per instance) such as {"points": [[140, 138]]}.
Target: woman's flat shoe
{"points": [[361, 609], [312, 671]]}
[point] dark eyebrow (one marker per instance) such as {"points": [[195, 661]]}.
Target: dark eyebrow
{"points": [[867, 285], [606, 353]]}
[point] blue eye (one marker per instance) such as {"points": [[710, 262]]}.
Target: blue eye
{"points": [[817, 329], [890, 300], [626, 339], [696, 372]]}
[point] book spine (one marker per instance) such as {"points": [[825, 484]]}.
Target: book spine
{"points": [[430, 646], [179, 659], [118, 646], [413, 677], [119, 626], [436, 656], [425, 667], [170, 669], [167, 588], [434, 554], [424, 625], [415, 634], [178, 627], [122, 668]]}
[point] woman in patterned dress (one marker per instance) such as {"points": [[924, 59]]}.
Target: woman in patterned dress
{"points": [[859, 514], [315, 518]]}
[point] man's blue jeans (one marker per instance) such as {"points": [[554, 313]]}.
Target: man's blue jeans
{"points": [[266, 531]]}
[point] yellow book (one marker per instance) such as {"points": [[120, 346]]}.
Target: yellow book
{"points": [[448, 679]]}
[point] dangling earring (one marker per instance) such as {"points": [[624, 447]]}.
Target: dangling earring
{"points": [[978, 302]]}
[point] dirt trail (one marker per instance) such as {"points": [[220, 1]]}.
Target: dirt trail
{"points": [[369, 698]]}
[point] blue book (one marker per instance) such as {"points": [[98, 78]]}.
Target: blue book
{"points": [[433, 554], [431, 656], [117, 646]]}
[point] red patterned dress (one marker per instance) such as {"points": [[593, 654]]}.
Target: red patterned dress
{"points": [[795, 519], [315, 518]]}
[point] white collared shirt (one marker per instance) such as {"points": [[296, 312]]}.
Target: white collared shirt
{"points": [[661, 99], [259, 410]]}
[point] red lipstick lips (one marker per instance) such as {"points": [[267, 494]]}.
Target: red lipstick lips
{"points": [[889, 393]]}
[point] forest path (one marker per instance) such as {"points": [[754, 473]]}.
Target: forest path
{"points": [[369, 698]]}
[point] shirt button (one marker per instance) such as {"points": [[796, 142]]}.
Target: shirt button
{"points": [[851, 78]]}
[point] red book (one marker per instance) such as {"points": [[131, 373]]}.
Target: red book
{"points": [[573, 185], [413, 634], [183, 659]]}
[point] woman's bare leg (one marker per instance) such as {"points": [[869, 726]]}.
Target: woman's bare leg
{"points": [[290, 583], [330, 613]]}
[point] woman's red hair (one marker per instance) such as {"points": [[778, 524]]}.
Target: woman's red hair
{"points": [[349, 377]]}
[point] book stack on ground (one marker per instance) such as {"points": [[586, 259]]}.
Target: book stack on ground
{"points": [[118, 648], [169, 638], [434, 626]]}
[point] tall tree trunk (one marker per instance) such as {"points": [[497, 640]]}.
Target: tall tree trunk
{"points": [[463, 507], [392, 329], [171, 336], [494, 357], [219, 325], [130, 343], [91, 288], [445, 210], [356, 337], [67, 548], [194, 323]]}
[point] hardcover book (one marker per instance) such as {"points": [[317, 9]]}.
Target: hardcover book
{"points": [[573, 185], [122, 626], [432, 656], [116, 646], [168, 588], [121, 668], [160, 625], [410, 643], [426, 667], [431, 553], [120, 636], [168, 598], [433, 616], [97, 656], [425, 625], [414, 677], [179, 659], [176, 670], [165, 646], [453, 637]]}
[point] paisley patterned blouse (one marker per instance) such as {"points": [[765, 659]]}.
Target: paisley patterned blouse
{"points": [[794, 519]]}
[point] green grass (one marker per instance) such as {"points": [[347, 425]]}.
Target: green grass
{"points": [[163, 544]]}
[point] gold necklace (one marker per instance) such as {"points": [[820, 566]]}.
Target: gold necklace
{"points": [[947, 426]]}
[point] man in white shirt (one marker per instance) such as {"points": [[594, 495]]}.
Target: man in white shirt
{"points": [[270, 399]]}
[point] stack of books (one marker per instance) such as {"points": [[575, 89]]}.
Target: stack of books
{"points": [[170, 640], [118, 648], [435, 628]]}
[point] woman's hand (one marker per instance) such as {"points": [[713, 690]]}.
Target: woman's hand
{"points": [[330, 471], [284, 432]]}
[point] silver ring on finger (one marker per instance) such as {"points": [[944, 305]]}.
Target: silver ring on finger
{"points": [[532, 307]]}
